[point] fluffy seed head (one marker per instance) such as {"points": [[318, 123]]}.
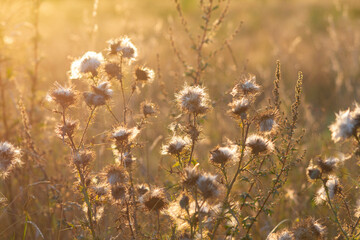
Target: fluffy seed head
{"points": [[83, 157], [223, 155], [112, 69], [333, 187], [343, 127], [267, 121], [259, 144], [190, 177], [103, 89], [88, 63], [208, 186], [116, 175], [9, 158], [284, 235], [148, 108], [176, 145], [355, 114], [93, 99], [309, 229], [144, 74], [239, 107], [154, 200], [64, 96], [193, 99], [122, 46], [118, 192], [247, 86], [66, 130], [123, 135], [328, 165]]}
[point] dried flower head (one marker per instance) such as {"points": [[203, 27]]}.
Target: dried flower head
{"points": [[127, 159], [113, 70], [223, 155], [259, 144], [124, 135], [191, 175], [66, 130], [328, 165], [154, 200], [313, 172], [82, 157], [124, 47], [193, 99], [246, 86], [118, 192], [144, 74], [333, 187], [100, 189], [9, 158], [184, 201], [142, 189], [309, 229], [93, 99], [116, 175], [239, 107], [148, 108], [103, 89], [283, 235], [88, 63], [64, 96], [267, 121], [176, 145], [208, 186], [343, 127]]}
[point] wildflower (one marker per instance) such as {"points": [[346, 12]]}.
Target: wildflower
{"points": [[123, 134], [103, 89], [64, 96], [239, 107], [267, 121], [66, 129], [343, 127], [9, 158], [88, 63], [246, 86], [122, 46], [190, 177], [116, 175], [144, 74], [113, 70], [148, 108], [333, 187], [222, 155], [83, 157], [154, 200], [259, 144], [176, 145], [208, 186], [193, 99]]}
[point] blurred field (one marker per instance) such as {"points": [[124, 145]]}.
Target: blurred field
{"points": [[320, 38]]}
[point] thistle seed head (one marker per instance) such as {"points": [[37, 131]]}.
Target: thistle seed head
{"points": [[9, 158], [144, 74], [343, 127], [64, 96], [176, 145], [223, 155], [154, 200], [259, 144], [208, 186], [193, 99], [88, 63], [116, 175]]}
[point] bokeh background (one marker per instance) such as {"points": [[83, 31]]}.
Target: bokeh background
{"points": [[320, 38]]}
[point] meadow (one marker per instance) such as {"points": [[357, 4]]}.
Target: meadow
{"points": [[179, 119]]}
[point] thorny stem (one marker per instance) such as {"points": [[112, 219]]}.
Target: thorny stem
{"points": [[333, 210], [87, 125], [193, 140], [132, 190], [129, 220], [355, 225], [87, 201], [203, 41], [245, 131], [122, 89], [251, 186]]}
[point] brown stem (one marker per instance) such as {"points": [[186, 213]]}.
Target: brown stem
{"points": [[87, 125]]}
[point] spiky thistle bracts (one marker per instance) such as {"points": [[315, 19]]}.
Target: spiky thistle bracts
{"points": [[89, 63], [10, 157]]}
